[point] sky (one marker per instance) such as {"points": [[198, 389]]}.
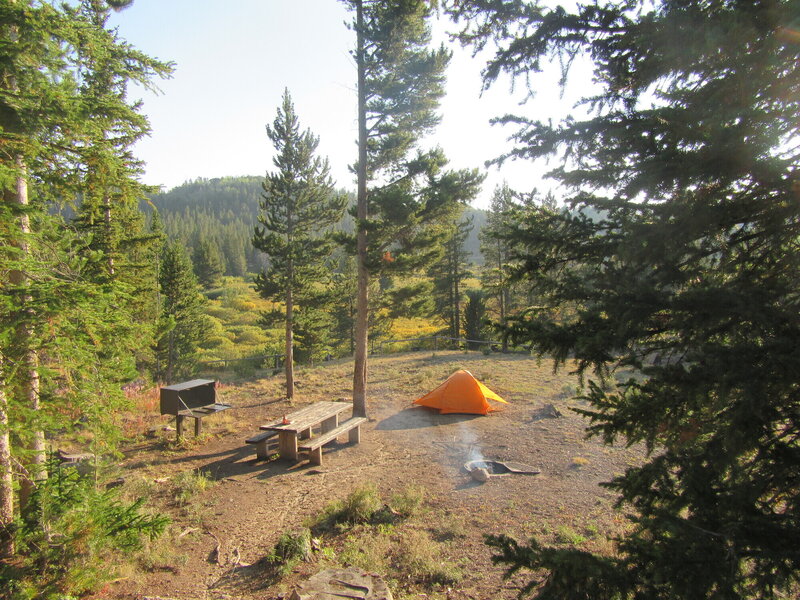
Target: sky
{"points": [[233, 60]]}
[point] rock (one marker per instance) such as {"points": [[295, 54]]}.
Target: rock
{"points": [[480, 474], [160, 429], [342, 583], [548, 411]]}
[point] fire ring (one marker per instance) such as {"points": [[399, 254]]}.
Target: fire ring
{"points": [[483, 469]]}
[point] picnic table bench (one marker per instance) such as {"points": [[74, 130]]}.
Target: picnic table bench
{"points": [[314, 446], [300, 424], [262, 441]]}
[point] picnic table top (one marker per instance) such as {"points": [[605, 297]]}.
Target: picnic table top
{"points": [[308, 416]]}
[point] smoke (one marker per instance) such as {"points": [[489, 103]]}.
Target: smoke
{"points": [[471, 443]]}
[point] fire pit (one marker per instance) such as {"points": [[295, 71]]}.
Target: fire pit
{"points": [[481, 470]]}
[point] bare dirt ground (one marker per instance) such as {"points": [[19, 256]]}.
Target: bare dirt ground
{"points": [[218, 540]]}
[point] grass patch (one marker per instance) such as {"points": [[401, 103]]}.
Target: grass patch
{"points": [[408, 502], [359, 507], [420, 557], [567, 535], [188, 484], [368, 550], [449, 529], [161, 554]]}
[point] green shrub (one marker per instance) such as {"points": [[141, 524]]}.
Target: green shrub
{"points": [[218, 343], [188, 484], [291, 548], [250, 336], [359, 507], [69, 536], [409, 502]]}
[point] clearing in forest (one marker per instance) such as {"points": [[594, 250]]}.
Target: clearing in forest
{"points": [[229, 510]]}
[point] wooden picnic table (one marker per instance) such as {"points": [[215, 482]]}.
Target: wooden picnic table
{"points": [[300, 423]]}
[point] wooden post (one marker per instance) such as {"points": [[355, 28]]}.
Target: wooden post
{"points": [[287, 445], [331, 423], [198, 426], [354, 435], [262, 449], [179, 426]]}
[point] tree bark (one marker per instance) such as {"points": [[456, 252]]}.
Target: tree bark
{"points": [[289, 364], [457, 294], [170, 357], [6, 477], [503, 294], [362, 297], [29, 358]]}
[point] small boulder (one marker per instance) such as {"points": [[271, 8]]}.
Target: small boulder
{"points": [[480, 474]]}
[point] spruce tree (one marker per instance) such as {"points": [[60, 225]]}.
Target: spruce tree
{"points": [[496, 251], [182, 327], [448, 274], [48, 54], [109, 182], [208, 265], [475, 318], [345, 289], [298, 209], [404, 195], [683, 282]]}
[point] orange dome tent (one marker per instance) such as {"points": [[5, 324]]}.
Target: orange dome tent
{"points": [[461, 393]]}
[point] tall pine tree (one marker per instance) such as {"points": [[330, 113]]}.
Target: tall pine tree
{"points": [[404, 196], [686, 275], [48, 54], [298, 209]]}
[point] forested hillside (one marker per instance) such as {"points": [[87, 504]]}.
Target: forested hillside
{"points": [[223, 212]]}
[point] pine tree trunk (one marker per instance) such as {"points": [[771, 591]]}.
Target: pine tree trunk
{"points": [[28, 372], [289, 364], [453, 274], [503, 296], [170, 357], [6, 473], [352, 327], [362, 299], [456, 299], [6, 478]]}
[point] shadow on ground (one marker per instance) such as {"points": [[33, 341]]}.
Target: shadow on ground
{"points": [[417, 417]]}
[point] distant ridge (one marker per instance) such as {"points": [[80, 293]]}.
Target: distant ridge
{"points": [[223, 205]]}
